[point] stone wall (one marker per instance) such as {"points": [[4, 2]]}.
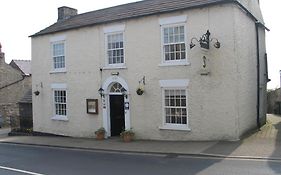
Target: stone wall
{"points": [[14, 92], [274, 100], [10, 115], [13, 86]]}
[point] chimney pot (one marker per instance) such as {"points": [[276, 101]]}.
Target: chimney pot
{"points": [[66, 12]]}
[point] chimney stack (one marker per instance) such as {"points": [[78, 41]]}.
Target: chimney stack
{"points": [[2, 55], [66, 12]]}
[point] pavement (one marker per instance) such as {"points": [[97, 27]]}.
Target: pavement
{"points": [[263, 144]]}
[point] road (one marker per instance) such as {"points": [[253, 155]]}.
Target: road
{"points": [[34, 160]]}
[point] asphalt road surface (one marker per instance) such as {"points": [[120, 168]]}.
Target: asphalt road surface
{"points": [[34, 160]]}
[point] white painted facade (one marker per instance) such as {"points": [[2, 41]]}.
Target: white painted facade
{"points": [[220, 105]]}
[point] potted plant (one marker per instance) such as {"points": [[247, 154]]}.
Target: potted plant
{"points": [[37, 93], [100, 133], [127, 135], [140, 90]]}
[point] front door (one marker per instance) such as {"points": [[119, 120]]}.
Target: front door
{"points": [[117, 117]]}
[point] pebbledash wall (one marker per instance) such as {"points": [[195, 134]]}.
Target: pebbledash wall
{"points": [[221, 105]]}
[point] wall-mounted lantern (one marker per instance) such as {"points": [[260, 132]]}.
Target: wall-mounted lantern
{"points": [[205, 41], [124, 93], [101, 92]]}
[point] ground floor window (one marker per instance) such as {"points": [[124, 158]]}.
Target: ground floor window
{"points": [[175, 106], [60, 102]]}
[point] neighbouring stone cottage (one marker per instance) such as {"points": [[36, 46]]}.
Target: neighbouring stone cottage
{"points": [[169, 69], [274, 100], [15, 81]]}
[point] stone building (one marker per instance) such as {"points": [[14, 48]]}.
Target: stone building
{"points": [[169, 69], [15, 81]]}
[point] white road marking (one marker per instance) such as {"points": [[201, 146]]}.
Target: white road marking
{"points": [[20, 171]]}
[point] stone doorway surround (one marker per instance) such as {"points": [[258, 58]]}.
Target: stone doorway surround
{"points": [[106, 103]]}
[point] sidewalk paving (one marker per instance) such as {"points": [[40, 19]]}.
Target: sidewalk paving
{"points": [[264, 144]]}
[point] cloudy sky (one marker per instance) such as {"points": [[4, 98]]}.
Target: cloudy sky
{"points": [[22, 18]]}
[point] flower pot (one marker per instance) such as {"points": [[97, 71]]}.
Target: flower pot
{"points": [[99, 136], [127, 138], [36, 93], [140, 91]]}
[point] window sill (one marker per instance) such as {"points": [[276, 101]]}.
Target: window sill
{"points": [[58, 71], [175, 128], [114, 67], [60, 118], [174, 64]]}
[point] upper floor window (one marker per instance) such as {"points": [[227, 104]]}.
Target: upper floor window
{"points": [[115, 48], [173, 30], [174, 45], [58, 55]]}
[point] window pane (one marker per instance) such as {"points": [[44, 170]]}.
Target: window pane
{"points": [[178, 56], [172, 56], [178, 48], [177, 38], [182, 47], [167, 56], [173, 119], [182, 29], [166, 48], [168, 119], [184, 120]]}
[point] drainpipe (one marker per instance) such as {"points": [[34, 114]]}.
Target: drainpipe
{"points": [[258, 73]]}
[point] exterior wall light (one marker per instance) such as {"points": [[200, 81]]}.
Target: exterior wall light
{"points": [[124, 93], [101, 92], [205, 41]]}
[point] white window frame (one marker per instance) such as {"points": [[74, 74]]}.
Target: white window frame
{"points": [[53, 41], [114, 30], [59, 87], [173, 21], [107, 49], [178, 84]]}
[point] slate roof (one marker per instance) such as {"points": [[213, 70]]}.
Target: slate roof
{"points": [[126, 11], [22, 65], [27, 98]]}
